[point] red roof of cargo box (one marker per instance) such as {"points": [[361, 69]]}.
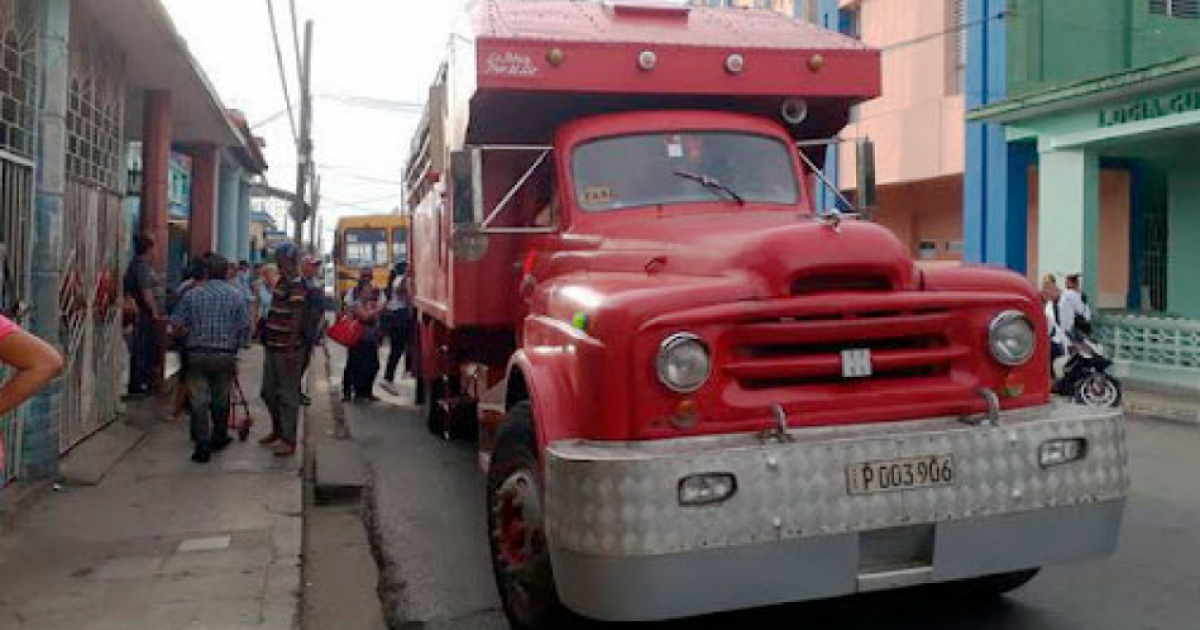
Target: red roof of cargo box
{"points": [[535, 59]]}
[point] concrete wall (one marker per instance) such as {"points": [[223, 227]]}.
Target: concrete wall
{"points": [[1053, 42], [1183, 296], [926, 211], [1114, 239]]}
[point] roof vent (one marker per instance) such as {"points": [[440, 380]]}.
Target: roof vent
{"points": [[650, 10]]}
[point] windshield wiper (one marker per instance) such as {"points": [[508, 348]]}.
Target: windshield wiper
{"points": [[712, 183]]}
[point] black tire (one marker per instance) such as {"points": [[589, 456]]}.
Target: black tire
{"points": [[997, 585], [1090, 387], [527, 591], [435, 418]]}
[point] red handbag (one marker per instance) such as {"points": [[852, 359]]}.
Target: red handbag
{"points": [[346, 331]]}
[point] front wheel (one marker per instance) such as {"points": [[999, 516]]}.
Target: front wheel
{"points": [[516, 528], [1098, 390]]}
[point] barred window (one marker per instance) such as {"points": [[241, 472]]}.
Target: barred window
{"points": [[17, 77], [95, 106], [1182, 9]]}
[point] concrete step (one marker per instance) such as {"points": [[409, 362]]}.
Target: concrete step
{"points": [[339, 470]]}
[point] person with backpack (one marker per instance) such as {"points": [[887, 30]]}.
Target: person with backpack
{"points": [[1074, 314]]}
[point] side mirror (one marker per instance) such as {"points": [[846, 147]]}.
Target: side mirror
{"points": [[865, 154], [466, 179]]}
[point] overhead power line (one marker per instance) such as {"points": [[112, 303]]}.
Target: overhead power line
{"points": [[295, 36], [269, 119], [368, 102], [287, 97]]}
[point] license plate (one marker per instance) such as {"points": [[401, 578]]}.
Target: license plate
{"points": [[889, 475], [856, 363]]}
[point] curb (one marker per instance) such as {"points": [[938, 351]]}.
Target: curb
{"points": [[1170, 415]]}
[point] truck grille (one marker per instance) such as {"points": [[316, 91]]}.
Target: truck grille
{"points": [[792, 351]]}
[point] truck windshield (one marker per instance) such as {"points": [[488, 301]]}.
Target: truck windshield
{"points": [[366, 247], [674, 168]]}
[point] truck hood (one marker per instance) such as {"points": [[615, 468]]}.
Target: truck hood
{"points": [[778, 253]]}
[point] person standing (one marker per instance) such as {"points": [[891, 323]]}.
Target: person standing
{"points": [[314, 315], [214, 322], [1074, 314], [283, 338], [140, 285], [397, 321], [364, 303]]}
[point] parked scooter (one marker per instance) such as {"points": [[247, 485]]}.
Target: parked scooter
{"points": [[1083, 374]]}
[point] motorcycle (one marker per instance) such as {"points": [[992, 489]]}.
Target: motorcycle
{"points": [[1083, 374]]}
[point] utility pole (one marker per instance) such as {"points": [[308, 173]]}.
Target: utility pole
{"points": [[304, 150]]}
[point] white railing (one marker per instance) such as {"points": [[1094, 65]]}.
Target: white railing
{"points": [[1159, 349]]}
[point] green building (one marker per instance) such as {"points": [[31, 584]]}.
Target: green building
{"points": [[1084, 141]]}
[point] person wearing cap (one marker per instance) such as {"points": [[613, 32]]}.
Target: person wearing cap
{"points": [[365, 303], [283, 339]]}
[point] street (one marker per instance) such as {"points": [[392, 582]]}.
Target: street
{"points": [[429, 524]]}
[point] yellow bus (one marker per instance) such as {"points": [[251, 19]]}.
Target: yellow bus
{"points": [[377, 241]]}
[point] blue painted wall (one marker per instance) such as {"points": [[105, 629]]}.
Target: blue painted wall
{"points": [[995, 211]]}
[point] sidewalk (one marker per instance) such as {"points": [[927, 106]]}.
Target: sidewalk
{"points": [[1177, 407], [161, 543]]}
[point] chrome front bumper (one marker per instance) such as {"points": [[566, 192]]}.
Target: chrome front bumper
{"points": [[625, 549]]}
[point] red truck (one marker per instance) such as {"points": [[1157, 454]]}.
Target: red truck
{"points": [[692, 390]]}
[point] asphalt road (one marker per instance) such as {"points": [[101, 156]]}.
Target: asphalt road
{"points": [[428, 499]]}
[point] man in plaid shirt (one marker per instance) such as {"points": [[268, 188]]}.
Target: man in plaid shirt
{"points": [[214, 320]]}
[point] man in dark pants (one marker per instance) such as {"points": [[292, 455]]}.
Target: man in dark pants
{"points": [[141, 283], [283, 338], [314, 315], [215, 322]]}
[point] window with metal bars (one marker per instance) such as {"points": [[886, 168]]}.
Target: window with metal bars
{"points": [[1182, 9], [95, 106], [17, 77]]}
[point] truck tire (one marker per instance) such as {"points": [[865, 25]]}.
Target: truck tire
{"points": [[998, 584], [435, 416], [516, 534]]}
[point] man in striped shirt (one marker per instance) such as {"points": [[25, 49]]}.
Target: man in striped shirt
{"points": [[283, 338]]}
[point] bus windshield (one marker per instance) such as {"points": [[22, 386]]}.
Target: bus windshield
{"points": [[366, 247], [689, 167]]}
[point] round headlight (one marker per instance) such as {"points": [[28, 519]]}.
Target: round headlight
{"points": [[683, 363], [1011, 338]]}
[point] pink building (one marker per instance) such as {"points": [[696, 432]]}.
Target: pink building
{"points": [[917, 124]]}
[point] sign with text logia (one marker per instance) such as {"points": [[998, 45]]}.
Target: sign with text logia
{"points": [[1157, 106]]}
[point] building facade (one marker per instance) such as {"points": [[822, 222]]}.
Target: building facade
{"points": [[916, 124], [1083, 114], [80, 80]]}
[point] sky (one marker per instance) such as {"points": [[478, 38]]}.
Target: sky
{"points": [[379, 50]]}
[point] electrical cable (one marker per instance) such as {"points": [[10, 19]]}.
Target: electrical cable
{"points": [[269, 119], [296, 37], [287, 97]]}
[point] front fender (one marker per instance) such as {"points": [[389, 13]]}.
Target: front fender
{"points": [[545, 372]]}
